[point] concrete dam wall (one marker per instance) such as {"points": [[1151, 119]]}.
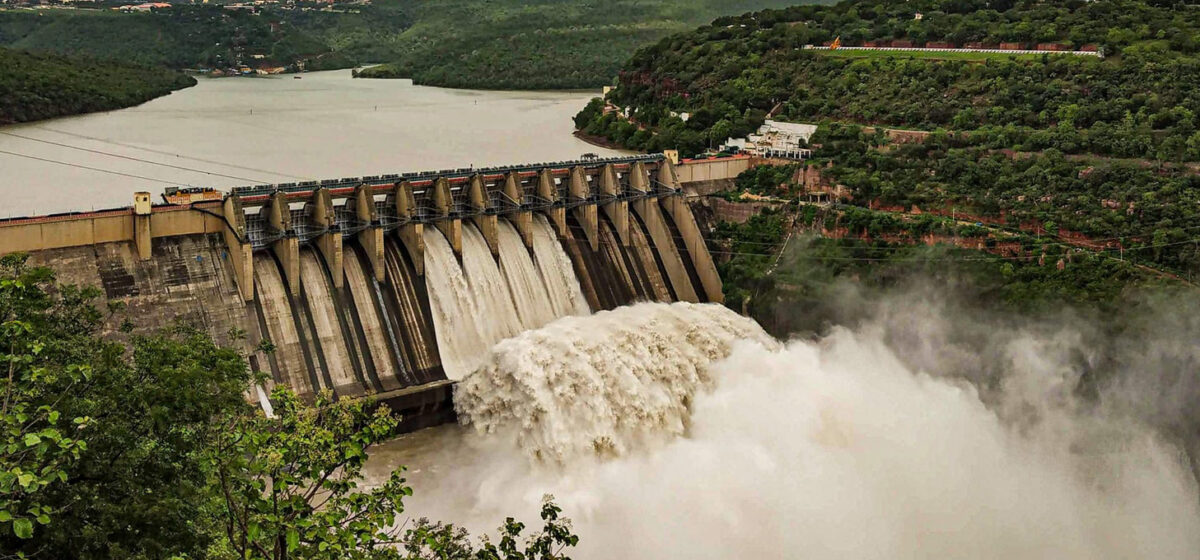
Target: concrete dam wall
{"points": [[391, 286]]}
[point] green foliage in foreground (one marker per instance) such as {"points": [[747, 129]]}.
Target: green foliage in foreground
{"points": [[39, 442], [290, 489], [42, 86], [113, 441], [290, 483], [148, 450]]}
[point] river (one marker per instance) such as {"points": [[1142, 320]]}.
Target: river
{"points": [[240, 131]]}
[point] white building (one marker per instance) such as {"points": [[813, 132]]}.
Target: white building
{"points": [[776, 139]]}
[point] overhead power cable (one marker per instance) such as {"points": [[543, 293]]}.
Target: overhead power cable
{"points": [[89, 168], [166, 153], [131, 158]]}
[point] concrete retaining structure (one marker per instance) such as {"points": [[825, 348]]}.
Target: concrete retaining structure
{"points": [[332, 273]]}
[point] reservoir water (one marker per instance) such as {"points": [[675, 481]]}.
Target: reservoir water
{"points": [[240, 131]]}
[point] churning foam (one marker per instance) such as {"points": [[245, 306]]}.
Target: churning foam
{"points": [[604, 383], [716, 442]]}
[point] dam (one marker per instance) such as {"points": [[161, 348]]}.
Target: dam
{"points": [[392, 286]]}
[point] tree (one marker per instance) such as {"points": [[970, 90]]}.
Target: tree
{"points": [[142, 488], [146, 449], [290, 490], [289, 483], [103, 448], [40, 442]]}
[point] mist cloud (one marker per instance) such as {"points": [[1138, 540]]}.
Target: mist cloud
{"points": [[872, 442]]}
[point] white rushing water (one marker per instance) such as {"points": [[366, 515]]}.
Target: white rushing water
{"points": [[498, 317], [562, 285], [682, 431], [534, 307], [476, 305], [456, 317]]}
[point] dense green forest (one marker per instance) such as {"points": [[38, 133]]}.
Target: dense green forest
{"points": [[1117, 223], [1137, 102], [1143, 212], [43, 86]]}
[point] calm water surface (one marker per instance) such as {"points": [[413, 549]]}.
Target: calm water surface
{"points": [[240, 131]]}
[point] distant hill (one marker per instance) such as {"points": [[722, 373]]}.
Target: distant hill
{"points": [[540, 44], [496, 44], [180, 37], [1082, 172], [44, 85]]}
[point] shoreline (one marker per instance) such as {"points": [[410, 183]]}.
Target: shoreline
{"points": [[601, 142]]}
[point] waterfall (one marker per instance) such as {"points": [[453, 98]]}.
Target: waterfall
{"points": [[562, 286], [499, 319], [456, 317], [607, 383], [479, 303], [472, 306], [533, 305]]}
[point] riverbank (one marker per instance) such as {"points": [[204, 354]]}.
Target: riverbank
{"points": [[600, 141]]}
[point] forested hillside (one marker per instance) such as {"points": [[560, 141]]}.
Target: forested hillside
{"points": [[197, 36], [42, 86], [496, 44], [540, 44], [1140, 101], [1046, 178]]}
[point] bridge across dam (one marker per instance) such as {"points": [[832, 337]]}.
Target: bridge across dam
{"points": [[391, 285]]}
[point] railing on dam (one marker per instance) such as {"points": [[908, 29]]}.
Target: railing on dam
{"points": [[282, 217], [260, 234], [440, 196], [250, 192]]}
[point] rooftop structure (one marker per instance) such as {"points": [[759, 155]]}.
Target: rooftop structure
{"points": [[775, 139]]}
